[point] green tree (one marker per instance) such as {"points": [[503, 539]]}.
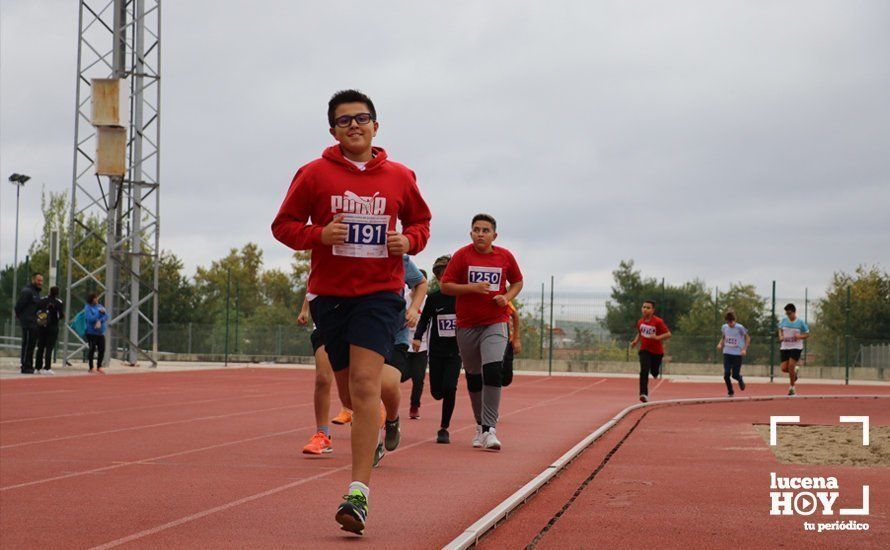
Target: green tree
{"points": [[869, 311], [706, 318], [631, 288], [177, 296], [212, 284]]}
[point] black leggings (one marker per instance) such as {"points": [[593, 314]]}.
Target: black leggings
{"points": [[650, 363], [444, 373], [96, 342], [46, 342], [417, 371]]}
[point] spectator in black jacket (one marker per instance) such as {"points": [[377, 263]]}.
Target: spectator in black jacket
{"points": [[26, 312], [49, 311]]}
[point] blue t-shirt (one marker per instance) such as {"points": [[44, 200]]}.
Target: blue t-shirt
{"points": [[413, 277], [789, 330], [733, 338]]}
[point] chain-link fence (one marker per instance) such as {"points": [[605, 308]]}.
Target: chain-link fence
{"points": [[562, 326]]}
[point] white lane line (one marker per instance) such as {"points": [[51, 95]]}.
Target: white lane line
{"points": [[146, 407], [157, 425], [223, 507], [154, 459]]}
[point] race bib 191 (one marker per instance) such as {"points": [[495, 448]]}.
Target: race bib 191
{"points": [[446, 325], [490, 275], [647, 331], [365, 237]]}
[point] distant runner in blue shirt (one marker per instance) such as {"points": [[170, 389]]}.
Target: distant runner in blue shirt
{"points": [[734, 342], [792, 332]]}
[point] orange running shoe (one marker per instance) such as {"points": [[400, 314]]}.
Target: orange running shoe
{"points": [[319, 444], [344, 417]]}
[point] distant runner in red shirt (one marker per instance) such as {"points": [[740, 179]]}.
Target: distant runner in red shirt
{"points": [[478, 275], [344, 207], [651, 332]]}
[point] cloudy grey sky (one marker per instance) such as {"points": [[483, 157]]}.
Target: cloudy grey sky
{"points": [[731, 141]]}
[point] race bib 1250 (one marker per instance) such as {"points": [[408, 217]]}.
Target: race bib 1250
{"points": [[490, 275], [365, 237]]}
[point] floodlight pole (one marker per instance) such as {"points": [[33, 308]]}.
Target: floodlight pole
{"points": [[118, 39], [19, 181]]}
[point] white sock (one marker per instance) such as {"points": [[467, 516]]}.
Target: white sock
{"points": [[359, 486]]}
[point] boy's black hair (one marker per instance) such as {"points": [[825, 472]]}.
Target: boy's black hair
{"points": [[730, 316], [349, 96], [650, 302], [790, 307], [91, 296], [54, 291], [485, 218]]}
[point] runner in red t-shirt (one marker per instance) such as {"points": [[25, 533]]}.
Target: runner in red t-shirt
{"points": [[345, 207], [478, 275], [651, 332]]}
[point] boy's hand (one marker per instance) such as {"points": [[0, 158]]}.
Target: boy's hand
{"points": [[720, 345], [517, 346], [415, 345], [397, 244], [478, 288], [303, 318], [411, 318], [335, 232], [500, 299]]}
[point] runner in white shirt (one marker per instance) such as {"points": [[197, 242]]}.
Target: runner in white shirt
{"points": [[734, 342], [792, 332]]}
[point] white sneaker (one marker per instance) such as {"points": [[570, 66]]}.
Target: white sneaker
{"points": [[644, 398], [477, 439], [38, 371], [49, 372], [490, 441]]}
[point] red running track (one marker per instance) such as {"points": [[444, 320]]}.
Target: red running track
{"points": [[698, 476], [212, 458]]}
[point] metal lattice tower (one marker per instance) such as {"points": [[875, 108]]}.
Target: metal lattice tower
{"points": [[118, 39]]}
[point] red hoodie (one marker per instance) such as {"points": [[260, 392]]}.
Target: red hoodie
{"points": [[372, 199]]}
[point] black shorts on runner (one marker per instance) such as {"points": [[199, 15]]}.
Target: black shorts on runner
{"points": [[368, 322], [315, 338], [399, 359], [790, 354]]}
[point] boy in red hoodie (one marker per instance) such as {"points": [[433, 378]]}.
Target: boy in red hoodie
{"points": [[344, 206], [651, 332]]}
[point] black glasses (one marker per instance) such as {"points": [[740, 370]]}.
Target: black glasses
{"points": [[346, 120]]}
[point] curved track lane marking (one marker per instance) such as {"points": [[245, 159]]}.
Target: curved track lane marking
{"points": [[223, 507], [473, 533]]}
